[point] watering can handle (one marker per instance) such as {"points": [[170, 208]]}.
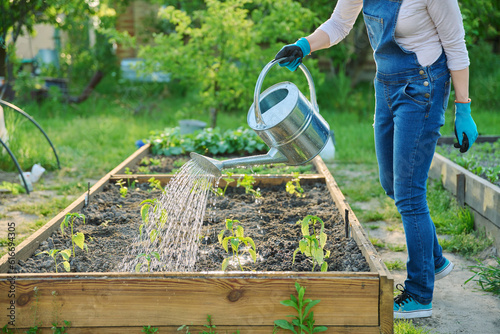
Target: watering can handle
{"points": [[260, 80]]}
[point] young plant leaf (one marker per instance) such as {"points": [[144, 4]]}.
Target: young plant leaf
{"points": [[66, 254], [79, 239], [66, 266], [225, 263]]}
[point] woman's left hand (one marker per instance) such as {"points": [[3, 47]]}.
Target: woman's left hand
{"points": [[465, 128]]}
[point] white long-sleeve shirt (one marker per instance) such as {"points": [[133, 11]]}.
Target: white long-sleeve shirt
{"points": [[425, 27]]}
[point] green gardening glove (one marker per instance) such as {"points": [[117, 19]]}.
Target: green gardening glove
{"points": [[465, 128]]}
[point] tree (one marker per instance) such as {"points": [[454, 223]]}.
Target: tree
{"points": [[220, 50]]}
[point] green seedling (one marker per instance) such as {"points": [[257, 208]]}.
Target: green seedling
{"points": [[312, 245], [143, 169], [123, 189], [65, 254], [304, 321], [247, 182], [155, 184], [154, 233], [128, 171], [149, 259], [293, 186], [221, 192], [78, 238], [236, 239]]}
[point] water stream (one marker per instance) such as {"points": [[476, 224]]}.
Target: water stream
{"points": [[171, 231]]}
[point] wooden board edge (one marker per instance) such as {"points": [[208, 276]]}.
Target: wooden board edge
{"points": [[199, 329], [357, 232], [132, 159], [386, 304]]}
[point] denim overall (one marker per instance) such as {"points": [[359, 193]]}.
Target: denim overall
{"points": [[410, 101]]}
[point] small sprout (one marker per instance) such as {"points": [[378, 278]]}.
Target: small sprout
{"points": [[247, 183], [65, 254], [293, 186], [149, 259], [312, 245], [155, 184], [123, 189], [236, 239], [78, 238]]}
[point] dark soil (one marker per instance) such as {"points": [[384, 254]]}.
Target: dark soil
{"points": [[112, 223]]}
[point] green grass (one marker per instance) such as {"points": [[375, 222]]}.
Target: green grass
{"points": [[407, 327], [395, 265]]}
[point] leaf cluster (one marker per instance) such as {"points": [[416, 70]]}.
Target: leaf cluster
{"points": [[312, 245], [228, 179], [293, 186], [304, 321], [247, 182], [236, 239], [149, 258], [65, 254], [211, 141], [152, 230]]}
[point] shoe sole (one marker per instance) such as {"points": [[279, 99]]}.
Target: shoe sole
{"points": [[443, 273], [413, 314]]}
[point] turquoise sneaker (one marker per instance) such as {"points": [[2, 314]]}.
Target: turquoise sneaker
{"points": [[444, 270], [405, 307]]}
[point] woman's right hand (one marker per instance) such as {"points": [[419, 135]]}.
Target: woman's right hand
{"points": [[293, 54]]}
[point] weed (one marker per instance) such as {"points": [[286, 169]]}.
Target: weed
{"points": [[65, 254], [487, 276], [395, 265], [396, 247], [78, 238], [149, 329], [293, 186], [236, 239], [143, 169], [7, 330], [247, 182], [402, 326], [123, 189], [377, 242], [149, 258], [466, 244], [312, 245], [60, 330], [209, 326], [14, 188], [304, 321]]}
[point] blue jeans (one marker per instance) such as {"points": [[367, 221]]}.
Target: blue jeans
{"points": [[409, 113]]}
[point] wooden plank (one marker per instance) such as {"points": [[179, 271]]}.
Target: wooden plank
{"points": [[129, 302], [28, 246], [386, 306], [200, 329], [480, 195]]}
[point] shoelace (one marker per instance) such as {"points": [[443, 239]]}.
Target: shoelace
{"points": [[404, 297]]}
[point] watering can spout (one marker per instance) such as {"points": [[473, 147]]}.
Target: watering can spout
{"points": [[215, 167]]}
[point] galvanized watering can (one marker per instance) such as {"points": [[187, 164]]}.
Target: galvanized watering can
{"points": [[285, 120]]}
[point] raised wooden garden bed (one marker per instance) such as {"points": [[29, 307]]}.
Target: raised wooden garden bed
{"points": [[481, 196], [351, 302]]}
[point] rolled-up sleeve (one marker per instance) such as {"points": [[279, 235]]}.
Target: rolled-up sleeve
{"points": [[342, 20], [448, 20]]}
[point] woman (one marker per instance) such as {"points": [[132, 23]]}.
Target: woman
{"points": [[418, 45]]}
